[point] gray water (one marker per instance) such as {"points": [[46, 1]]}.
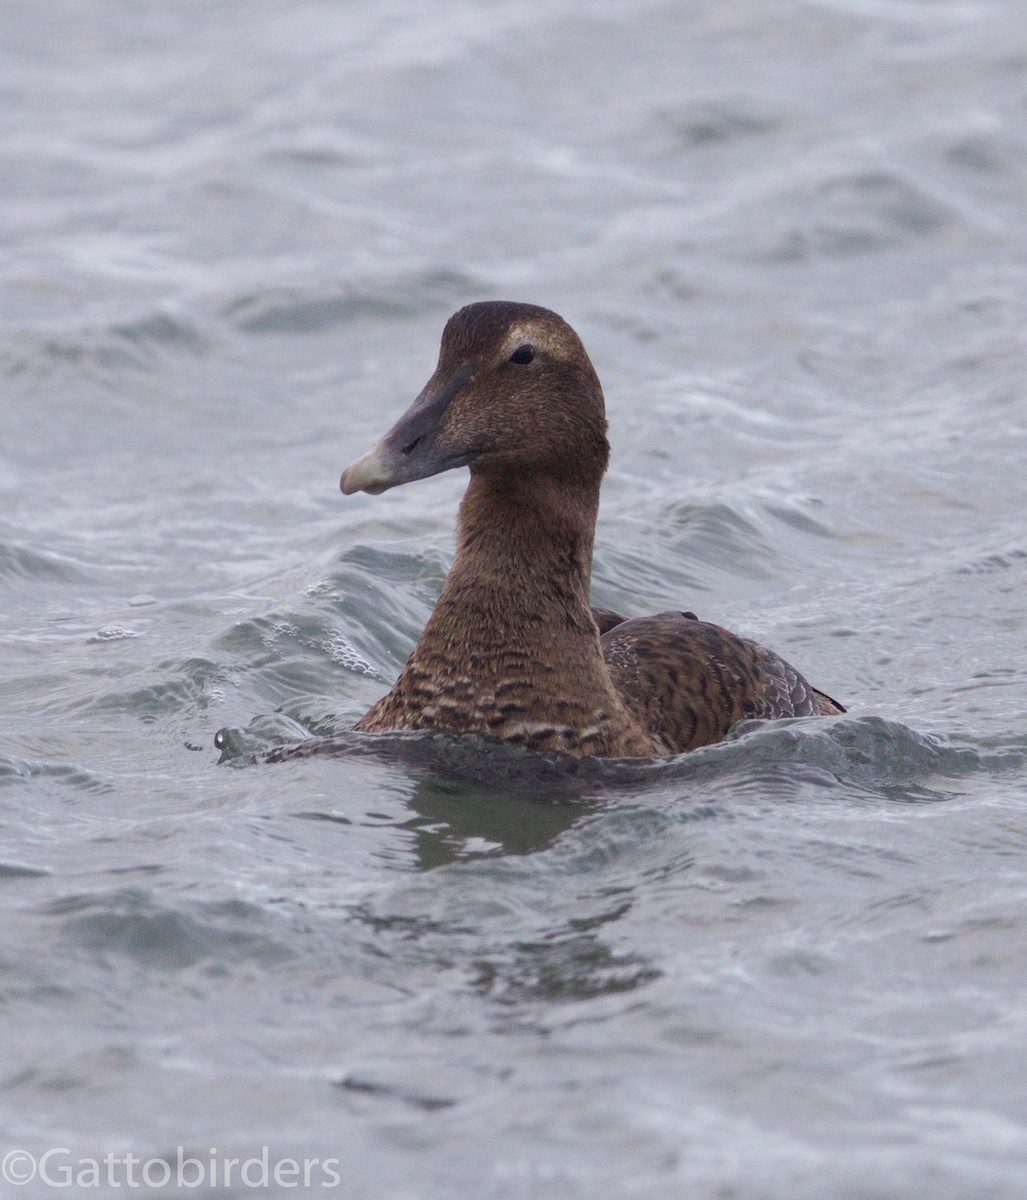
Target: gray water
{"points": [[794, 238]]}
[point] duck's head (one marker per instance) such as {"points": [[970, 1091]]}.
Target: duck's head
{"points": [[514, 392]]}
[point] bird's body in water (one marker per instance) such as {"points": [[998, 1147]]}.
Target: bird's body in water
{"points": [[513, 650]]}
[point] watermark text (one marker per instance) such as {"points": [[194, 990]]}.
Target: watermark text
{"points": [[59, 1167]]}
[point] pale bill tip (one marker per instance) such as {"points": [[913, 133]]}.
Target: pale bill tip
{"points": [[366, 475]]}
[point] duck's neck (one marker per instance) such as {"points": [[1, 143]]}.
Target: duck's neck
{"points": [[523, 561], [511, 649]]}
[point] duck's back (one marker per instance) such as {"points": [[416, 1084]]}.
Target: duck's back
{"points": [[687, 682]]}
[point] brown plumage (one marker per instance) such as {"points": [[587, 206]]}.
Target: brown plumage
{"points": [[513, 650]]}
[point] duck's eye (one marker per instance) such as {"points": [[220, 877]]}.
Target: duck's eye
{"points": [[522, 355]]}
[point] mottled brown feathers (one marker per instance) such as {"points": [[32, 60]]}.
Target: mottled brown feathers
{"points": [[513, 650], [687, 682]]}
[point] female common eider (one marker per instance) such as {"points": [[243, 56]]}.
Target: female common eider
{"points": [[513, 651]]}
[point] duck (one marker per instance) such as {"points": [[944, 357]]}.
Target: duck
{"points": [[513, 651]]}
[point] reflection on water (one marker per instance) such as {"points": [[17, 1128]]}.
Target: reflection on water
{"points": [[453, 820]]}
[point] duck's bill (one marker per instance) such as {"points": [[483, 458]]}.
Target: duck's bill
{"points": [[375, 472], [410, 449], [382, 468]]}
